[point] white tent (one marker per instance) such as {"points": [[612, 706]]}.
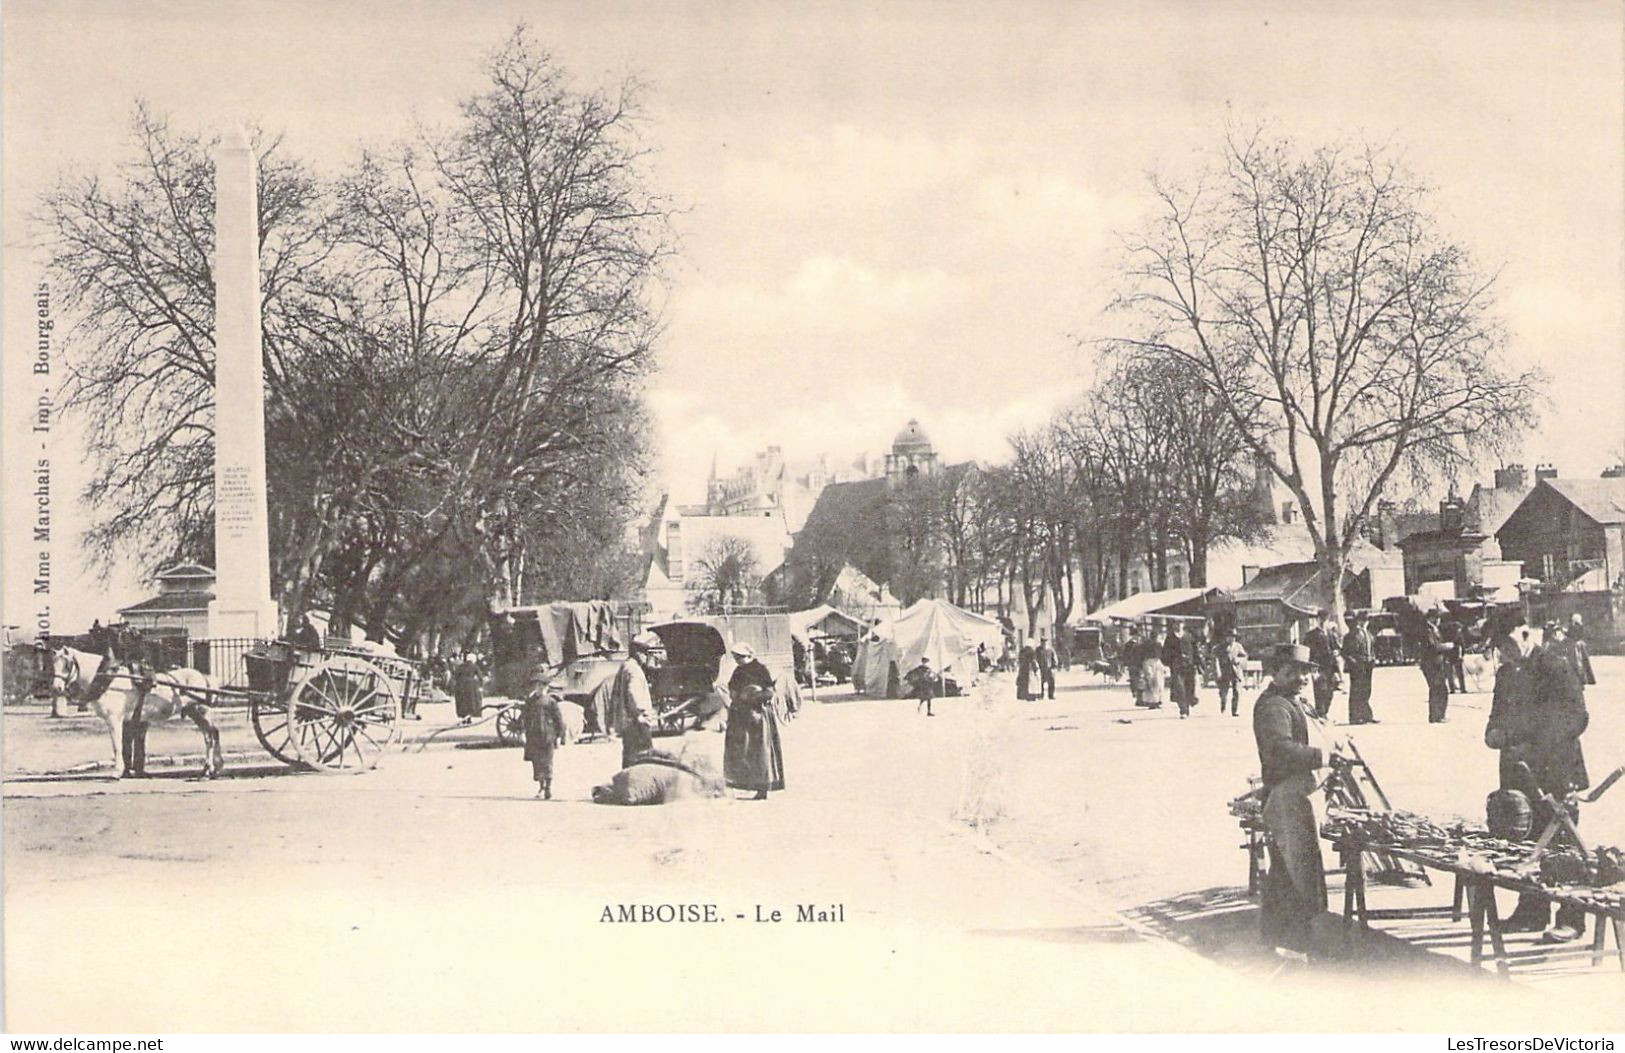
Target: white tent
{"points": [[948, 635]]}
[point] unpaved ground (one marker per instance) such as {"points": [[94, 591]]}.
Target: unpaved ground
{"points": [[433, 894]]}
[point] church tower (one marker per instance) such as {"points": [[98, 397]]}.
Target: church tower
{"points": [[911, 456]]}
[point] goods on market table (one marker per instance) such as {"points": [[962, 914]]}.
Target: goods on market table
{"points": [[1597, 880]]}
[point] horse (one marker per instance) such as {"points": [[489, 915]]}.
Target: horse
{"points": [[116, 698]]}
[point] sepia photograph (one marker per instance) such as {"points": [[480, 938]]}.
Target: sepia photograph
{"points": [[750, 516]]}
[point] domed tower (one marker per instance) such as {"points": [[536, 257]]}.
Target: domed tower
{"points": [[911, 455]]}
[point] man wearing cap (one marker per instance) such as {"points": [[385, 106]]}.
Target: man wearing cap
{"points": [[922, 684], [1360, 661], [1432, 661], [752, 755], [1284, 728]]}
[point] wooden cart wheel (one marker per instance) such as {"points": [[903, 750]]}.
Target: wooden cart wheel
{"points": [[345, 715], [269, 715], [511, 725]]}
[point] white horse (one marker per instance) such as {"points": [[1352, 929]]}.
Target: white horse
{"points": [[120, 705]]}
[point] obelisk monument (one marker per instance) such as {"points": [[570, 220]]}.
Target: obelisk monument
{"points": [[242, 605]]}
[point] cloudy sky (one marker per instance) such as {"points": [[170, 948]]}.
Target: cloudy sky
{"points": [[897, 210]]}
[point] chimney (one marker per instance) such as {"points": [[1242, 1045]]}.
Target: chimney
{"points": [[1544, 471], [1387, 529], [1450, 514], [1512, 477]]}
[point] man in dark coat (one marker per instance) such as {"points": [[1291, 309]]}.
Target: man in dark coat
{"points": [[1434, 651], [544, 726], [1047, 661], [1176, 656], [306, 636], [1133, 656], [1537, 716], [922, 684], [1579, 654], [1454, 669], [1360, 661], [1294, 891], [752, 755], [1322, 643]]}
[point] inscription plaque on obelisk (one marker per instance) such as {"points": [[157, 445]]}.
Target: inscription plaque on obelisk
{"points": [[242, 605]]}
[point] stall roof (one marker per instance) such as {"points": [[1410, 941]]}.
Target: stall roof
{"points": [[1295, 584], [1146, 603], [826, 621]]}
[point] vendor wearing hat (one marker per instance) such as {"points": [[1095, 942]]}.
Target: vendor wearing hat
{"points": [[752, 756], [1286, 732]]}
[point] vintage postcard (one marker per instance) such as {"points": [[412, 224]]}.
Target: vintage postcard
{"points": [[723, 516]]}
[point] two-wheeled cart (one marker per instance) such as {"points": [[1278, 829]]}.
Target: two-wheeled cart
{"points": [[333, 709]]}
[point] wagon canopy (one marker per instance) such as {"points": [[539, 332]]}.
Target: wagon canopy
{"points": [[556, 633], [690, 642]]}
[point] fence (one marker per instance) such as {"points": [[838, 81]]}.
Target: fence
{"points": [[222, 658]]}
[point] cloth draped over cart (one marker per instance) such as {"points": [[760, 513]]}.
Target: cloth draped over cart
{"points": [[936, 629], [528, 640]]}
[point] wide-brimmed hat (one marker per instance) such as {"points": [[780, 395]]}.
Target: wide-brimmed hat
{"points": [[1292, 654], [742, 651]]}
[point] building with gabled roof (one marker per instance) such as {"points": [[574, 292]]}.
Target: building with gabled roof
{"points": [[1569, 534], [182, 603]]}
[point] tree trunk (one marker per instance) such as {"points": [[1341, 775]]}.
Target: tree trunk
{"points": [[1198, 544]]}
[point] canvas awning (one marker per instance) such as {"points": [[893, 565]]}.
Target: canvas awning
{"points": [[825, 621], [1162, 601]]}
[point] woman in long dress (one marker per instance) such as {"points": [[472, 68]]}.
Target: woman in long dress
{"points": [[752, 755], [468, 690], [1154, 675]]}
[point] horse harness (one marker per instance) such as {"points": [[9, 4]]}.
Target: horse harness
{"points": [[140, 674]]}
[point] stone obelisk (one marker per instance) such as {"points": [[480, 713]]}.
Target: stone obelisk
{"points": [[242, 605]]}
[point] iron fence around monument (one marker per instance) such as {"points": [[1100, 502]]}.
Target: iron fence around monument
{"points": [[222, 657]]}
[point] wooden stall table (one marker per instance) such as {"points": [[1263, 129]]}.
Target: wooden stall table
{"points": [[1474, 890]]}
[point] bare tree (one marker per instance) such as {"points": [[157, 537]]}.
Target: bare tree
{"points": [[456, 332], [130, 255], [1345, 337], [725, 575]]}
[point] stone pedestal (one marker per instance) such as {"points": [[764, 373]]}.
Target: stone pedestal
{"points": [[242, 556]]}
